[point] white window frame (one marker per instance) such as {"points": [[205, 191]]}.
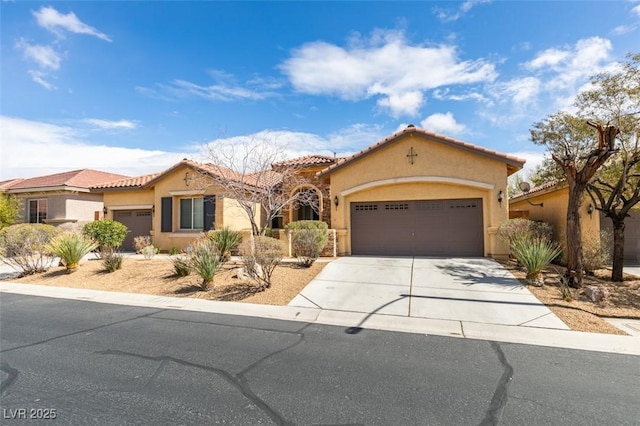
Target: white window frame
{"points": [[192, 214], [38, 201]]}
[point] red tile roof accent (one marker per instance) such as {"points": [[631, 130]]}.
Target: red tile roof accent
{"points": [[84, 178], [207, 169], [6, 184], [509, 159], [306, 161], [552, 184], [132, 183]]}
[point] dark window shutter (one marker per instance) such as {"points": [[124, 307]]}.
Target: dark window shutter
{"points": [[166, 218], [209, 212]]}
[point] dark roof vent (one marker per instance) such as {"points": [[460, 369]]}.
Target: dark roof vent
{"points": [[411, 125]]}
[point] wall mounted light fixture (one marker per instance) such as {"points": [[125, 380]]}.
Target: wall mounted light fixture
{"points": [[500, 196], [336, 201], [104, 211], [590, 209]]}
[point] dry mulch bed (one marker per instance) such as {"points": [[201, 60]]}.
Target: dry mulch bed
{"points": [[581, 314], [156, 276]]}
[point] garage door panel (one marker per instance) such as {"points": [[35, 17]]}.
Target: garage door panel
{"points": [[418, 228], [138, 222]]}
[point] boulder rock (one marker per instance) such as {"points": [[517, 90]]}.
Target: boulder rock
{"points": [[595, 293]]}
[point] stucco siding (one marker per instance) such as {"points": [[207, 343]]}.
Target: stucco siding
{"points": [[439, 172]]}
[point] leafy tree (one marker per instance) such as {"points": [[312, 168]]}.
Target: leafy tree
{"points": [[615, 98], [573, 146], [9, 210]]}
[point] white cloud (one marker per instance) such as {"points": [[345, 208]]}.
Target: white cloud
{"points": [[450, 16], [384, 66], [636, 10], [225, 89], [549, 57], [44, 56], [443, 123], [533, 158], [56, 22], [39, 77], [111, 125], [624, 29], [520, 90], [32, 148]]}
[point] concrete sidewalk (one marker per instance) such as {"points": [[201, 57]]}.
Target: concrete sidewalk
{"points": [[474, 290], [353, 322]]}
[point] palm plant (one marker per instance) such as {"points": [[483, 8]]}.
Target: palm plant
{"points": [[71, 248], [535, 254]]}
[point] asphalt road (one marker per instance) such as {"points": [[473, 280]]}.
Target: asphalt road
{"points": [[90, 363]]}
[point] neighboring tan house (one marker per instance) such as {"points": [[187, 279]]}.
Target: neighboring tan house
{"points": [[174, 207], [549, 203], [420, 193], [61, 198]]}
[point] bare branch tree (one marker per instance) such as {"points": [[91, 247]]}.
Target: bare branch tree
{"points": [[247, 171]]}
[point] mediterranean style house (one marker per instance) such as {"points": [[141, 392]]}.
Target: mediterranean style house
{"points": [[413, 193], [548, 203]]}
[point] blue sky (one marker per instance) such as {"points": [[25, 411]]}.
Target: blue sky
{"points": [[133, 87]]}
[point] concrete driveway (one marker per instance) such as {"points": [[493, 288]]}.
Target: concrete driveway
{"points": [[475, 290]]}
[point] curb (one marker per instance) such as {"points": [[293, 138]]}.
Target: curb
{"points": [[354, 322]]}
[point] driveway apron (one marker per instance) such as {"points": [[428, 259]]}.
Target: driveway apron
{"points": [[476, 290]]}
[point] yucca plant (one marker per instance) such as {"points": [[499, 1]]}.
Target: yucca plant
{"points": [[225, 240], [71, 248], [181, 266], [534, 254], [205, 261]]}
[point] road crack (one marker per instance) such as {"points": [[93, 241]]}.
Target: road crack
{"points": [[239, 381], [12, 374], [500, 396]]}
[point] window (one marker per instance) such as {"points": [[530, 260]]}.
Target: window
{"points": [[307, 205], [192, 213], [37, 211]]}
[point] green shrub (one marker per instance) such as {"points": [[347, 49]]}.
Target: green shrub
{"points": [[173, 251], [515, 229], [535, 254], [181, 266], [205, 261], [71, 248], [109, 234], [112, 261], [260, 256], [9, 209], [225, 240], [308, 238], [23, 247], [149, 251]]}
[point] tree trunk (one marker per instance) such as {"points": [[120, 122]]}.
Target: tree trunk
{"points": [[618, 250], [575, 268]]}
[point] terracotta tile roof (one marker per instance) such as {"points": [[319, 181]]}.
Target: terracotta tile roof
{"points": [[206, 169], [84, 178], [6, 184], [508, 159], [306, 161], [130, 183], [552, 184]]}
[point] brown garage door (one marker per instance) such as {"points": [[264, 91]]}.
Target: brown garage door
{"points": [[137, 221], [418, 228]]}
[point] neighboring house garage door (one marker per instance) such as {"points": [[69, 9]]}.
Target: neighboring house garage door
{"points": [[137, 221], [631, 234], [418, 228]]}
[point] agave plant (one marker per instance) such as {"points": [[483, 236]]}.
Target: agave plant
{"points": [[534, 254], [225, 240], [205, 261], [71, 248]]}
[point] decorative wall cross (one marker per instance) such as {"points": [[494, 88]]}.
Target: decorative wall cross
{"points": [[187, 178], [411, 155]]}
